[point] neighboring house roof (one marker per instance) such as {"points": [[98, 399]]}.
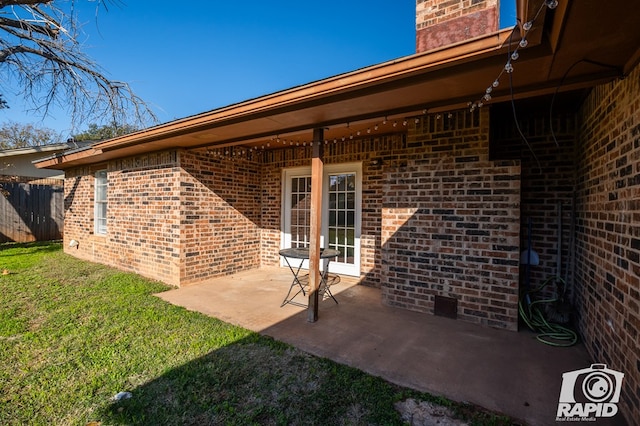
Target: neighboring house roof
{"points": [[577, 45], [73, 148], [19, 161], [56, 147]]}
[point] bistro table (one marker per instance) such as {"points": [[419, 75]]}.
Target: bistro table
{"points": [[299, 281]]}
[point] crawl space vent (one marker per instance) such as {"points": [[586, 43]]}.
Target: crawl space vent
{"points": [[446, 307]]}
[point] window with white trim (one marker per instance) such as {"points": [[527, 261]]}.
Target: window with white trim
{"points": [[100, 203]]}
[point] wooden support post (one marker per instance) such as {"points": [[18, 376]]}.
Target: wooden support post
{"points": [[316, 223]]}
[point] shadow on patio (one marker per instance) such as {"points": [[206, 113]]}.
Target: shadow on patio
{"points": [[500, 370]]}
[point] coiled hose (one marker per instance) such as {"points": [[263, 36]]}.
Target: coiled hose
{"points": [[532, 312]]}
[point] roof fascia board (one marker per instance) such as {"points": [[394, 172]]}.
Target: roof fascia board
{"points": [[61, 160]]}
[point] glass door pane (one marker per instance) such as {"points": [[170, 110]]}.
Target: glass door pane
{"points": [[342, 216], [300, 212]]}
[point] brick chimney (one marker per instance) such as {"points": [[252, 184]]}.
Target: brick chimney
{"points": [[444, 22]]}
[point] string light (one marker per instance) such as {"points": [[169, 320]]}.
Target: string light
{"points": [[513, 56], [238, 153], [508, 68]]}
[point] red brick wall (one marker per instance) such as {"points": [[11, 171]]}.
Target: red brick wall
{"points": [[608, 231], [142, 219], [178, 217], [219, 215], [270, 202], [78, 216], [444, 22], [548, 179], [451, 222]]}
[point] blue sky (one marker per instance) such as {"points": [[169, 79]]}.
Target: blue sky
{"points": [[186, 58]]}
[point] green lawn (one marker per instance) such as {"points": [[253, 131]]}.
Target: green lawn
{"points": [[73, 334]]}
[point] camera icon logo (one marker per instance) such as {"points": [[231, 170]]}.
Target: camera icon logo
{"points": [[589, 392]]}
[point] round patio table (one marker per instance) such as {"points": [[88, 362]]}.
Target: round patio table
{"points": [[303, 254]]}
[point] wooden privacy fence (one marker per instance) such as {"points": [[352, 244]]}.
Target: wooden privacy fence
{"points": [[31, 211]]}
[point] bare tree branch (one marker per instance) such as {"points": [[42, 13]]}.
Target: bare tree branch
{"points": [[40, 53], [4, 3], [49, 32]]}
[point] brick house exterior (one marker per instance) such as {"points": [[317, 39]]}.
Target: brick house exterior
{"points": [[207, 215], [446, 195]]}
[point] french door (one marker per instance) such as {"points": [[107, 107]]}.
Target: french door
{"points": [[341, 213]]}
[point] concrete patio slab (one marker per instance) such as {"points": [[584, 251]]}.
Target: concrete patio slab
{"points": [[500, 370]]}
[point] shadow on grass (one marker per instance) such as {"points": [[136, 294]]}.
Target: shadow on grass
{"points": [[258, 381], [42, 247]]}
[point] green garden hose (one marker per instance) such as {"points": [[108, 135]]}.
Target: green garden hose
{"points": [[532, 313]]}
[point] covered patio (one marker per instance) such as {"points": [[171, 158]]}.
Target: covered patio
{"points": [[508, 372]]}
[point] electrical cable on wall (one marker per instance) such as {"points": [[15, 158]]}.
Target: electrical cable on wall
{"points": [[512, 56], [513, 109], [564, 76]]}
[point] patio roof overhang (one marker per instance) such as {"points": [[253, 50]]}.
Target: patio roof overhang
{"points": [[575, 46]]}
